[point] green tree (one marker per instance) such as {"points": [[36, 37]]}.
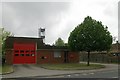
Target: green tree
{"points": [[66, 44], [89, 36], [59, 42], [3, 35], [0, 41]]}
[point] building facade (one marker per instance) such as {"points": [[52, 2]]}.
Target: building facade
{"points": [[24, 50]]}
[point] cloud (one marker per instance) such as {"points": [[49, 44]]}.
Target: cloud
{"points": [[101, 10], [119, 22], [58, 18], [24, 19]]}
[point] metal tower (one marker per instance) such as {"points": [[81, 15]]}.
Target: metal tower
{"points": [[42, 33]]}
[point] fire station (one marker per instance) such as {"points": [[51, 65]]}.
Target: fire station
{"points": [[27, 50]]}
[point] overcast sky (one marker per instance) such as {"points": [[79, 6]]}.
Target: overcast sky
{"points": [[58, 18]]}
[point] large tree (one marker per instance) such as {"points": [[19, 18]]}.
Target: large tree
{"points": [[90, 35], [59, 42]]}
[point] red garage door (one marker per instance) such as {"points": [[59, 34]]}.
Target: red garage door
{"points": [[24, 53]]}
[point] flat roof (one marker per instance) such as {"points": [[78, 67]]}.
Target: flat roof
{"points": [[40, 45]]}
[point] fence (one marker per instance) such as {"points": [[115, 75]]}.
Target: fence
{"points": [[100, 57]]}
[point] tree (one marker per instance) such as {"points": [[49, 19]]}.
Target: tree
{"points": [[89, 36], [3, 35], [66, 44], [59, 42], [0, 40]]}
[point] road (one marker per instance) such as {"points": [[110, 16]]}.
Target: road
{"points": [[100, 74], [112, 72], [31, 71]]}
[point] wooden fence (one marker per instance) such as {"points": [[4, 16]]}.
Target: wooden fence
{"points": [[101, 57]]}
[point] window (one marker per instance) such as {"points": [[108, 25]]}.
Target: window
{"points": [[57, 54], [27, 51], [16, 54], [21, 54], [27, 54], [42, 57]]}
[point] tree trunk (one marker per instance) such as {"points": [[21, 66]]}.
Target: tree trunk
{"points": [[88, 58]]}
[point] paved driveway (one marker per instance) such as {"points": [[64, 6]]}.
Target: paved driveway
{"points": [[32, 71]]}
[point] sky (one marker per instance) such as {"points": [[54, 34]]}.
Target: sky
{"points": [[59, 18], [119, 22]]}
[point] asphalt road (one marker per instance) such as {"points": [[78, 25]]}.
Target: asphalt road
{"points": [[101, 74], [110, 73], [31, 71]]}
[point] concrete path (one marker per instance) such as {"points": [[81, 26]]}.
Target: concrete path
{"points": [[34, 71]]}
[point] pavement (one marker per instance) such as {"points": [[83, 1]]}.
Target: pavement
{"points": [[29, 70]]}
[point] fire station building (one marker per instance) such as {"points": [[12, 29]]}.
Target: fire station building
{"points": [[26, 50]]}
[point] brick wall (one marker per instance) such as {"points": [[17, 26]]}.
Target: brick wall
{"points": [[43, 56], [47, 56], [73, 57], [9, 56]]}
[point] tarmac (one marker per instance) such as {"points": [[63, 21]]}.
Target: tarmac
{"points": [[29, 70]]}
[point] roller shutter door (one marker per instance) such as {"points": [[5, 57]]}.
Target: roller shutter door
{"points": [[24, 53]]}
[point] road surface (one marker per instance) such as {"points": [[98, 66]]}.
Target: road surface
{"points": [[31, 71]]}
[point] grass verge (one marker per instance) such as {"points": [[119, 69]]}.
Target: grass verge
{"points": [[71, 66], [6, 69]]}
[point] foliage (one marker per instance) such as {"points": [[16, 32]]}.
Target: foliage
{"points": [[3, 35], [66, 44], [89, 36], [59, 42], [0, 40]]}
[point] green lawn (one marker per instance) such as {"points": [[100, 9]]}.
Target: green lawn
{"points": [[71, 66], [6, 69]]}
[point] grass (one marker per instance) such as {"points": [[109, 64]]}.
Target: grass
{"points": [[71, 66], [6, 69]]}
